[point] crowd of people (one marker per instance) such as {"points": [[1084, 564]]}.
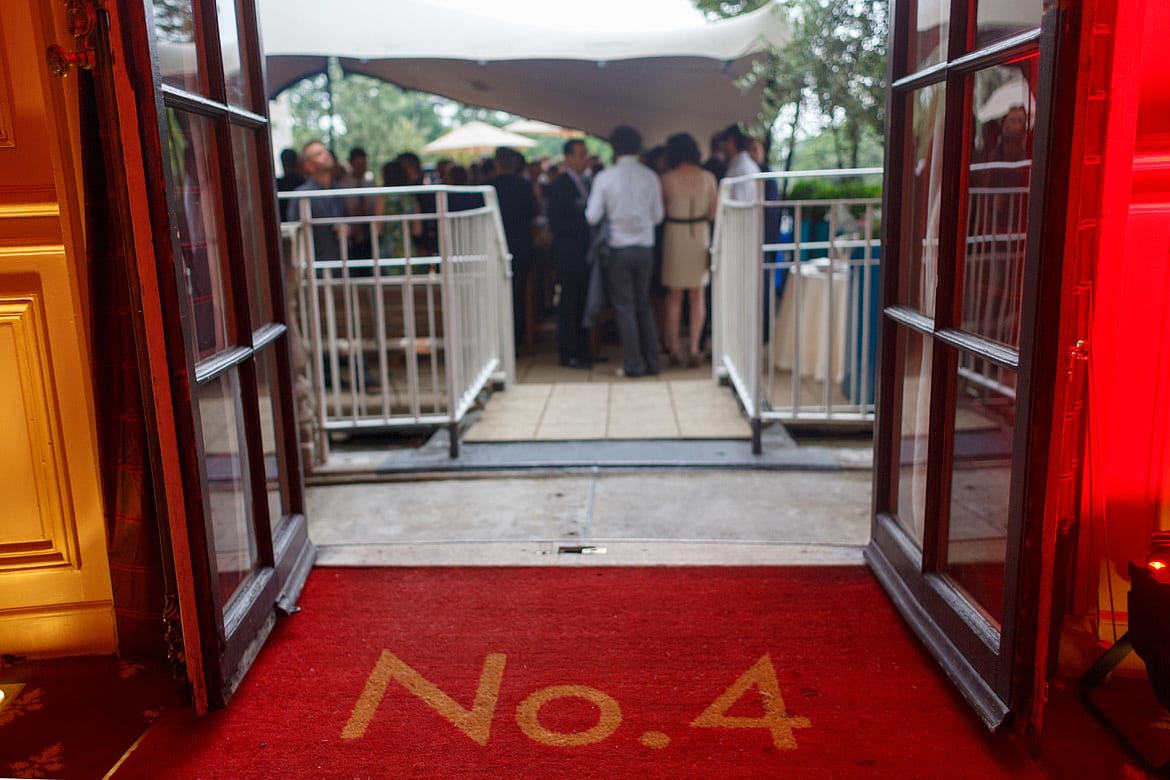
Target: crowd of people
{"points": [[634, 235]]}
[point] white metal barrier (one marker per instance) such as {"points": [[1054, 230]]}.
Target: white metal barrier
{"points": [[794, 325], [794, 318], [993, 266], [395, 337]]}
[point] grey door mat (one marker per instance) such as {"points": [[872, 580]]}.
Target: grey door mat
{"points": [[779, 452]]}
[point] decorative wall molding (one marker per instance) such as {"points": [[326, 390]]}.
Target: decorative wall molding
{"points": [[39, 528], [29, 210], [37, 631]]}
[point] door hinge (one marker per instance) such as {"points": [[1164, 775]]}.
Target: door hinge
{"points": [[1076, 380]]}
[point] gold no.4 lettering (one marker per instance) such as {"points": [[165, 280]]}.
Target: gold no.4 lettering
{"points": [[476, 721]]}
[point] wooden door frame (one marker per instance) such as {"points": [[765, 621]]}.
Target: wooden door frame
{"points": [[116, 77], [135, 160], [994, 672]]}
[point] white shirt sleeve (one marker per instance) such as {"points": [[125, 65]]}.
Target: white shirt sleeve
{"points": [[595, 207]]}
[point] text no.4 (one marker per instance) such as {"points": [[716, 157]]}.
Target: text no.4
{"points": [[476, 721]]}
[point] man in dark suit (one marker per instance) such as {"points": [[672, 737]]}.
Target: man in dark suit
{"points": [[565, 203], [518, 208], [717, 162]]}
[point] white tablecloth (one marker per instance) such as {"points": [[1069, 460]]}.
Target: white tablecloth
{"points": [[811, 282]]}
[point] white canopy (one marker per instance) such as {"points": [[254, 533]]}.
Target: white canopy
{"points": [[660, 82]]}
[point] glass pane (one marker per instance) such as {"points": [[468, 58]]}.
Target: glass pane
{"points": [[914, 361], [921, 199], [928, 32], [996, 20], [985, 412], [1003, 115], [256, 251], [198, 207], [178, 57], [237, 83], [276, 476], [226, 456]]}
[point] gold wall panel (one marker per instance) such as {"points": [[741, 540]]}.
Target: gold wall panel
{"points": [[55, 589], [36, 532], [25, 223]]}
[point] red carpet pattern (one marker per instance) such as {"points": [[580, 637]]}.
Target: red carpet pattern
{"points": [[74, 718], [587, 673]]}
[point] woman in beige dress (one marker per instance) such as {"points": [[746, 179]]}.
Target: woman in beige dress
{"points": [[689, 194]]}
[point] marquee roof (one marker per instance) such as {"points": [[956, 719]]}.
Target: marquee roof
{"points": [[661, 82]]}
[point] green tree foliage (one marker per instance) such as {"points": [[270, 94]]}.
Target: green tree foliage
{"points": [[832, 71], [725, 9], [822, 151], [366, 112], [385, 119]]}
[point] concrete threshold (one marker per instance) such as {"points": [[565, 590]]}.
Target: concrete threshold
{"points": [[600, 518], [595, 552]]}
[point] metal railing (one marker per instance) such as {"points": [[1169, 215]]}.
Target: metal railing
{"points": [[805, 350], [993, 267], [794, 321], [395, 337]]}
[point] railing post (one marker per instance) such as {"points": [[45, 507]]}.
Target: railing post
{"points": [[317, 373], [718, 310], [755, 272], [295, 251], [504, 293], [452, 352]]}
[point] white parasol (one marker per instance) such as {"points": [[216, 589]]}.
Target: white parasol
{"points": [[536, 127], [476, 138]]}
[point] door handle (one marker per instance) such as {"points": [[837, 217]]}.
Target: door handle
{"points": [[80, 20], [60, 60]]}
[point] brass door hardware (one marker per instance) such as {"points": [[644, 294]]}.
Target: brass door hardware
{"points": [[80, 18]]}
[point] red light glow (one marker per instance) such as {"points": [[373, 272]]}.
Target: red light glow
{"points": [[1156, 565]]}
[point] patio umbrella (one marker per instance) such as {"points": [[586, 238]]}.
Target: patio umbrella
{"points": [[476, 138], [536, 127]]}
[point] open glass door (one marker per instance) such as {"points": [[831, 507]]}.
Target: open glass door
{"points": [[971, 298], [242, 549]]}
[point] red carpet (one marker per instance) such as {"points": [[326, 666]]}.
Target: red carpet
{"points": [[586, 673], [74, 718]]}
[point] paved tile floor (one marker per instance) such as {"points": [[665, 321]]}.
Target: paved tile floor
{"points": [[550, 402], [641, 409]]}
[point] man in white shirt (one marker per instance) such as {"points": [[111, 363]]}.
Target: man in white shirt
{"points": [[737, 147], [629, 196]]}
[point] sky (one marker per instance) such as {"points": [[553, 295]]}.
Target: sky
{"points": [[591, 15]]}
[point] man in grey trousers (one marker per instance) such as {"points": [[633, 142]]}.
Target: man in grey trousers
{"points": [[629, 196]]}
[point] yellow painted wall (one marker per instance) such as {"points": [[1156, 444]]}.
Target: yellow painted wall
{"points": [[55, 595]]}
